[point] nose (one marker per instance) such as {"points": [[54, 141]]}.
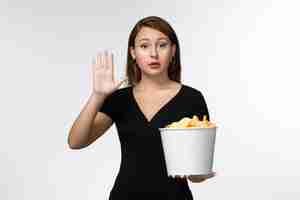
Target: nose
{"points": [[154, 52]]}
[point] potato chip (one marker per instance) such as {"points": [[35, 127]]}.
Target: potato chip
{"points": [[187, 122]]}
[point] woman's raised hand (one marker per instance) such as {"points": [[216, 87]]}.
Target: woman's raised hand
{"points": [[104, 82]]}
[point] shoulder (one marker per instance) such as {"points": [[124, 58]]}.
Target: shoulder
{"points": [[120, 93], [196, 101], [191, 91]]}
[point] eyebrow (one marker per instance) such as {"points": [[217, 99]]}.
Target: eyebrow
{"points": [[161, 38]]}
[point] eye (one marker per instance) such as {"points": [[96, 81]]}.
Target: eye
{"points": [[163, 45], [143, 46]]}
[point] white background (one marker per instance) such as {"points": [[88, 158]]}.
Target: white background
{"points": [[243, 55]]}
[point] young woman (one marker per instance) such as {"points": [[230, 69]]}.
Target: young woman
{"points": [[153, 98]]}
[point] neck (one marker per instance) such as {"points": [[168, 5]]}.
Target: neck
{"points": [[153, 84]]}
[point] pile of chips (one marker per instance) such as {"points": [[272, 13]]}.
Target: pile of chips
{"points": [[187, 122]]}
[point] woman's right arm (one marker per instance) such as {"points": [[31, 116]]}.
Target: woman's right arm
{"points": [[90, 124]]}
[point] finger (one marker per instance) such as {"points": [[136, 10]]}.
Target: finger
{"points": [[196, 179], [112, 65], [109, 65], [213, 174], [98, 64], [105, 64], [93, 73], [98, 59], [210, 175], [102, 60]]}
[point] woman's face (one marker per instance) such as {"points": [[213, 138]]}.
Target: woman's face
{"points": [[153, 51]]}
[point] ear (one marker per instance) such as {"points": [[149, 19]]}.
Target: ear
{"points": [[173, 50], [132, 52]]}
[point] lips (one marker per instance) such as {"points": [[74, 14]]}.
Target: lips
{"points": [[154, 63]]}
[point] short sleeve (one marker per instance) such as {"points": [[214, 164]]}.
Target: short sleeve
{"points": [[201, 106], [110, 106]]}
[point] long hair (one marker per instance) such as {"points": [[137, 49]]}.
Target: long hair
{"points": [[133, 73]]}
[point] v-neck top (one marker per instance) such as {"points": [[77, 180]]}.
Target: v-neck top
{"points": [[143, 173], [160, 110]]}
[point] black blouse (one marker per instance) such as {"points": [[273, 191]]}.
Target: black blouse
{"points": [[143, 173]]}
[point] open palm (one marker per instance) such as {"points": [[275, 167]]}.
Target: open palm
{"points": [[104, 82]]}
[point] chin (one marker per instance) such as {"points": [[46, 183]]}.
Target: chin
{"points": [[152, 73]]}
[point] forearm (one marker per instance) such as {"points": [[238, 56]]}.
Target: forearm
{"points": [[82, 127], [200, 178]]}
